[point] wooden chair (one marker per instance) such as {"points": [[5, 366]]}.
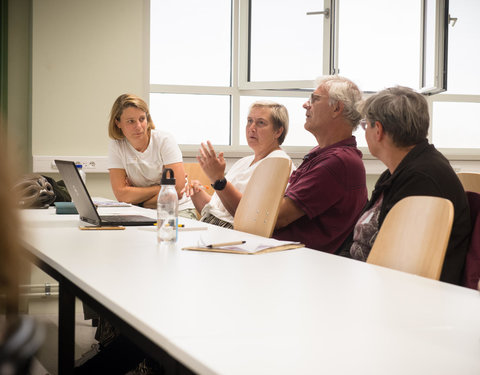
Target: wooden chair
{"points": [[414, 236], [195, 172], [257, 211], [470, 181]]}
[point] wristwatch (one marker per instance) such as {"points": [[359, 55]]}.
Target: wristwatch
{"points": [[220, 184]]}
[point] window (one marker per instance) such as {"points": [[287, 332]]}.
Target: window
{"points": [[190, 43], [379, 43], [455, 120], [281, 36], [210, 60]]}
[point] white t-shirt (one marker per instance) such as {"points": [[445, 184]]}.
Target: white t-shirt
{"points": [[144, 169], [238, 175]]}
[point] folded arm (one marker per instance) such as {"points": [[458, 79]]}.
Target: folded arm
{"points": [[288, 213], [125, 192]]}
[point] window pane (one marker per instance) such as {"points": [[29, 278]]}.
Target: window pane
{"points": [[430, 20], [297, 135], [463, 51], [285, 43], [456, 125], [360, 136], [207, 117], [190, 42], [379, 43]]}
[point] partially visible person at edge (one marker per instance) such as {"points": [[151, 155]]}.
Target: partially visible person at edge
{"points": [[267, 127], [328, 191], [396, 125], [138, 153], [9, 244]]}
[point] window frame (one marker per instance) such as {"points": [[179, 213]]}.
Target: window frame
{"points": [[240, 86]]}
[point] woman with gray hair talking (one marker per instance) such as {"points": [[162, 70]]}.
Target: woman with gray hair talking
{"points": [[266, 129], [396, 125]]}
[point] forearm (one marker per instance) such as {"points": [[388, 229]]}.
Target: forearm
{"points": [[230, 198], [200, 199], [136, 195], [288, 213], [151, 203]]}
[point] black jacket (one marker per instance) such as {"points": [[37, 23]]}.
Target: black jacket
{"points": [[425, 171]]}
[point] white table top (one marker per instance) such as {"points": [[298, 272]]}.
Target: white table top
{"points": [[293, 312]]}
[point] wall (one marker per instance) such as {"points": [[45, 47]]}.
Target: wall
{"points": [[18, 120], [84, 55]]}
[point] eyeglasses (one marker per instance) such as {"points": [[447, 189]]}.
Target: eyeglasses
{"points": [[364, 123], [313, 98]]}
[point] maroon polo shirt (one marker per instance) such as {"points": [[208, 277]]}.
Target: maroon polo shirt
{"points": [[330, 187]]}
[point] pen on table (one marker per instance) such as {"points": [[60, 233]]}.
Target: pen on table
{"points": [[225, 244], [179, 225]]}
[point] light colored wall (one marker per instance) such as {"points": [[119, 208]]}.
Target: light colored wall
{"points": [[18, 119], [84, 55]]}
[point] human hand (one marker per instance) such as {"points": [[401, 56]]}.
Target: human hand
{"points": [[193, 188], [212, 165]]}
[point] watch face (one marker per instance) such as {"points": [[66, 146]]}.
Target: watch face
{"points": [[220, 184]]}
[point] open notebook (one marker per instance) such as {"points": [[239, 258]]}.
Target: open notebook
{"points": [[238, 243]]}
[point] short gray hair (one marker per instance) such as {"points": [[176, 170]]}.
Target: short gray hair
{"points": [[402, 112], [341, 89], [278, 113]]}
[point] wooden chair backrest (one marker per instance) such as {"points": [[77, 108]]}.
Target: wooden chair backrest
{"points": [[414, 236], [257, 211], [470, 181], [195, 172]]}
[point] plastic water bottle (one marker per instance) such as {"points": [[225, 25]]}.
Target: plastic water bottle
{"points": [[83, 175], [167, 209]]}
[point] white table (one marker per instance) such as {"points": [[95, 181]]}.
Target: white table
{"points": [[293, 312]]}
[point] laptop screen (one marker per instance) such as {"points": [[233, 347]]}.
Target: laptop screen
{"points": [[78, 191]]}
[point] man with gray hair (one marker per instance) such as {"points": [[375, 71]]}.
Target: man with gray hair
{"points": [[328, 191]]}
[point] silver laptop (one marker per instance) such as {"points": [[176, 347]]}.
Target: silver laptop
{"points": [[84, 205]]}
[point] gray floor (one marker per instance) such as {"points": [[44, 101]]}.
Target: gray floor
{"points": [[46, 360]]}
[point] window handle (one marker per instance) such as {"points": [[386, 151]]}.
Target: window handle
{"points": [[326, 12], [452, 20]]}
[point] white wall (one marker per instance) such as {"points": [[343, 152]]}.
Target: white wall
{"points": [[84, 55]]}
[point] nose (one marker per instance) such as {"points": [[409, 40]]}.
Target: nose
{"points": [[307, 104]]}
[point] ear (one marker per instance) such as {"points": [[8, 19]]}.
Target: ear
{"points": [[337, 109], [116, 123], [278, 133], [379, 132]]}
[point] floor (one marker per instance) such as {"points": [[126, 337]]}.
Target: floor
{"points": [[46, 359]]}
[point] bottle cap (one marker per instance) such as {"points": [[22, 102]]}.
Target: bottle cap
{"points": [[79, 165], [165, 180]]}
